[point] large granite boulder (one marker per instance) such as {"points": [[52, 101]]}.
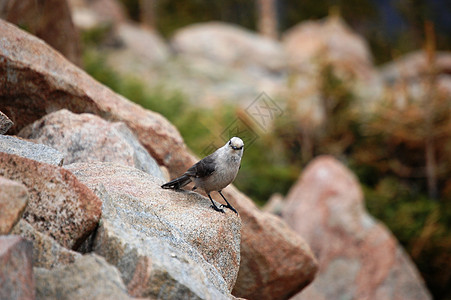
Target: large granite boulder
{"points": [[358, 256], [164, 242], [89, 138]]}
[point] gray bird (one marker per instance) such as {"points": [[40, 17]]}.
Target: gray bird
{"points": [[214, 172]]}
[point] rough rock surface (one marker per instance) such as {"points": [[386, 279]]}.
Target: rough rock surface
{"points": [[39, 84], [59, 205], [39, 81], [47, 253], [90, 277], [50, 20], [358, 256], [13, 200], [89, 138], [16, 270], [164, 242], [5, 123], [38, 152]]}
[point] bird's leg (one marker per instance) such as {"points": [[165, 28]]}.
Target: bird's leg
{"points": [[228, 204], [214, 205]]}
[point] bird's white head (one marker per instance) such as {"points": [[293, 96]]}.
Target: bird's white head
{"points": [[236, 143]]}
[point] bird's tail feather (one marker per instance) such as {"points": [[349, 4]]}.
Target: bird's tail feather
{"points": [[177, 183]]}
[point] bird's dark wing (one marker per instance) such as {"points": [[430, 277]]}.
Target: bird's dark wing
{"points": [[203, 168]]}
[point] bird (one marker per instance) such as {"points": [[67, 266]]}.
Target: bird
{"points": [[214, 172]]}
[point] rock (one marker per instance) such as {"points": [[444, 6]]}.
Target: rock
{"points": [[90, 277], [145, 45], [316, 48], [209, 72], [50, 20], [88, 14], [276, 263], [213, 39], [59, 205], [408, 77], [89, 138], [37, 152], [274, 205], [358, 257], [47, 253], [166, 243], [16, 271], [5, 123], [39, 81], [13, 200], [331, 41], [414, 66]]}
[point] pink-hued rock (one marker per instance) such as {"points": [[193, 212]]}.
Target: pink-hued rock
{"points": [[50, 20], [89, 138], [358, 257], [162, 241], [16, 269], [13, 200], [59, 205]]}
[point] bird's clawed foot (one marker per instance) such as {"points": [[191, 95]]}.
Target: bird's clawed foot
{"points": [[213, 205], [217, 208], [229, 207], [228, 204]]}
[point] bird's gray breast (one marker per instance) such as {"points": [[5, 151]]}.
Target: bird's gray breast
{"points": [[226, 169]]}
